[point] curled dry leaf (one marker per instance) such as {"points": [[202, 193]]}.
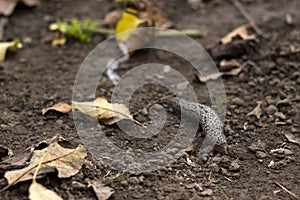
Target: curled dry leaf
{"points": [[240, 32], [232, 67], [256, 111], [104, 111], [67, 162], [38, 191], [102, 192], [60, 107]]}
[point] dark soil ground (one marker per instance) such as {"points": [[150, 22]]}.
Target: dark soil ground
{"points": [[40, 75]]}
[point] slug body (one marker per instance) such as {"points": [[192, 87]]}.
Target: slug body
{"points": [[208, 119]]}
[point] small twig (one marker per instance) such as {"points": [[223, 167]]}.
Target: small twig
{"points": [[245, 13], [286, 190], [228, 179]]}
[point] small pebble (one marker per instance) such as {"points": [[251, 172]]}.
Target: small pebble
{"points": [[261, 154], [284, 102], [213, 167], [134, 180], [78, 185], [271, 109], [207, 192], [237, 101], [280, 115]]}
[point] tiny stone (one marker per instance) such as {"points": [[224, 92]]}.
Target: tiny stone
{"points": [[207, 192], [145, 112], [78, 185], [271, 109], [224, 171], [270, 100], [294, 130], [251, 128], [190, 186], [4, 126], [284, 102], [280, 115], [141, 179], [237, 101], [134, 180], [261, 154], [260, 160], [214, 167]]}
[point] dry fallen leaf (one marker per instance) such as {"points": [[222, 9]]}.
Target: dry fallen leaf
{"points": [[256, 111], [235, 70], [4, 46], [102, 192], [241, 32], [60, 107], [292, 138], [37, 192], [7, 6], [67, 162], [103, 110]]}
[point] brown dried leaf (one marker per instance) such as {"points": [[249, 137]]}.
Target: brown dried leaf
{"points": [[103, 110], [235, 69], [67, 162], [60, 107], [38, 191], [241, 32], [256, 111], [102, 192], [292, 138]]}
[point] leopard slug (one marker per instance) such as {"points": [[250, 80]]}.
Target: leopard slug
{"points": [[209, 121]]}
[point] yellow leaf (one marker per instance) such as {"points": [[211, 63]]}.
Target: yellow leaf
{"points": [[128, 22], [4, 46], [37, 192], [103, 110], [67, 162]]}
